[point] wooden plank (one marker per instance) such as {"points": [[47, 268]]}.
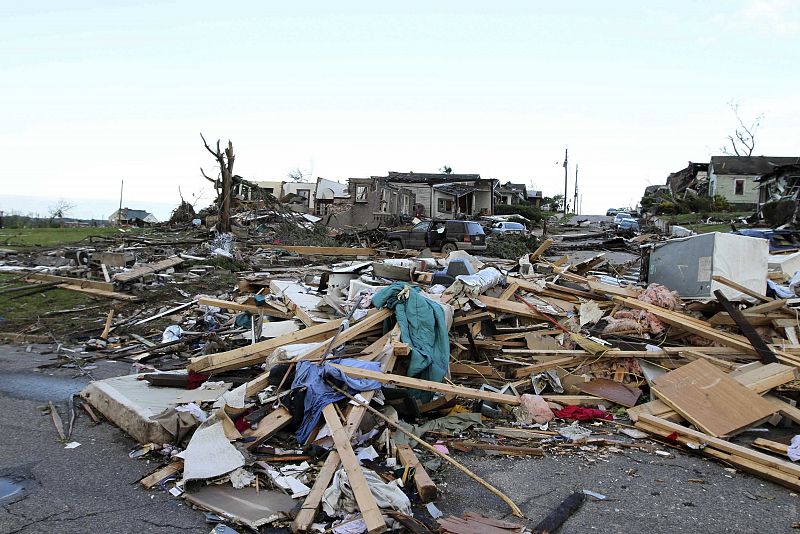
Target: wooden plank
{"points": [[710, 399], [106, 276], [254, 354], [723, 445], [107, 326], [507, 306], [784, 408], [308, 510], [267, 427], [755, 319], [473, 318], [80, 282], [740, 288], [760, 380], [771, 446], [541, 249], [569, 361], [160, 474], [427, 385], [97, 292], [366, 502], [768, 307], [249, 308], [509, 291], [324, 251], [746, 464], [764, 353], [148, 268], [601, 287], [422, 481]]}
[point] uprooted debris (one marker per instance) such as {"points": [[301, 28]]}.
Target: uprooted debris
{"points": [[331, 386]]}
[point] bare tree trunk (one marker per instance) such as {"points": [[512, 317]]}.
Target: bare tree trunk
{"points": [[225, 163]]}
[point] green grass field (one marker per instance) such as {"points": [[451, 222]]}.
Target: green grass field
{"points": [[21, 309], [48, 237]]}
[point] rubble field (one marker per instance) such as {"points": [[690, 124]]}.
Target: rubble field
{"points": [[288, 378]]}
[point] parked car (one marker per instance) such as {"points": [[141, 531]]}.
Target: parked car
{"points": [[507, 228], [621, 215], [440, 236], [611, 212], [628, 223]]}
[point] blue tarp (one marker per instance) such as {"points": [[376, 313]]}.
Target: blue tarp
{"points": [[319, 394], [423, 327]]}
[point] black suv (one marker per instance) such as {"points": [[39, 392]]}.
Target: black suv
{"points": [[440, 235]]}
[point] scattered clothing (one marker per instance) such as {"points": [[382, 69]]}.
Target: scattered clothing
{"points": [[312, 375], [579, 413], [423, 326]]}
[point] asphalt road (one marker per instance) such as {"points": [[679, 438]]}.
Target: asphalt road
{"points": [[93, 488]]}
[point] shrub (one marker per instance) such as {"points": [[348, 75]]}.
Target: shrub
{"points": [[511, 247], [529, 211]]}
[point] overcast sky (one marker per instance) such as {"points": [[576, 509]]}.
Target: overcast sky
{"points": [[95, 92]]}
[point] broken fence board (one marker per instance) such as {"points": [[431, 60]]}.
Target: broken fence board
{"points": [[148, 268]]}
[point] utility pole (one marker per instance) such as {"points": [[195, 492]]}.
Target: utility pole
{"points": [[119, 211], [566, 154], [575, 197]]}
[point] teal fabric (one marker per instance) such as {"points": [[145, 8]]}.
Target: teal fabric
{"points": [[423, 327]]}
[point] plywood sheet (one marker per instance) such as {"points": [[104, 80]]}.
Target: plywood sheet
{"points": [[711, 400]]}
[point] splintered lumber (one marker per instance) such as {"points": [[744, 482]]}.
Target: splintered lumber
{"points": [[546, 244], [771, 446], [267, 427], [160, 474], [107, 326], [446, 457], [254, 354], [768, 306], [764, 352], [784, 408], [473, 318], [601, 287], [507, 306], [80, 282], [170, 311], [373, 518], [249, 308], [760, 380], [373, 318], [559, 516], [355, 413], [325, 251], [740, 288], [57, 422], [428, 385], [722, 445], [425, 486], [569, 361], [93, 291], [147, 268], [710, 399]]}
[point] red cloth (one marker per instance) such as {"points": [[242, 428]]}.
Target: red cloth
{"points": [[582, 414]]}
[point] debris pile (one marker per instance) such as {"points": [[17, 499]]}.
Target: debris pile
{"points": [[333, 387]]}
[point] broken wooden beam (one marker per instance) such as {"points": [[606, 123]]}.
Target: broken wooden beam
{"points": [[147, 268], [428, 385], [422, 481]]}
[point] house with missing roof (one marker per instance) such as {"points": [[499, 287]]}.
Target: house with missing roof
{"points": [[447, 196], [736, 178], [132, 217]]}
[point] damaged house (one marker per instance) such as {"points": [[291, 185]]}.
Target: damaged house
{"points": [[447, 196], [778, 193], [510, 194], [692, 180], [363, 202], [737, 178], [132, 217]]}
